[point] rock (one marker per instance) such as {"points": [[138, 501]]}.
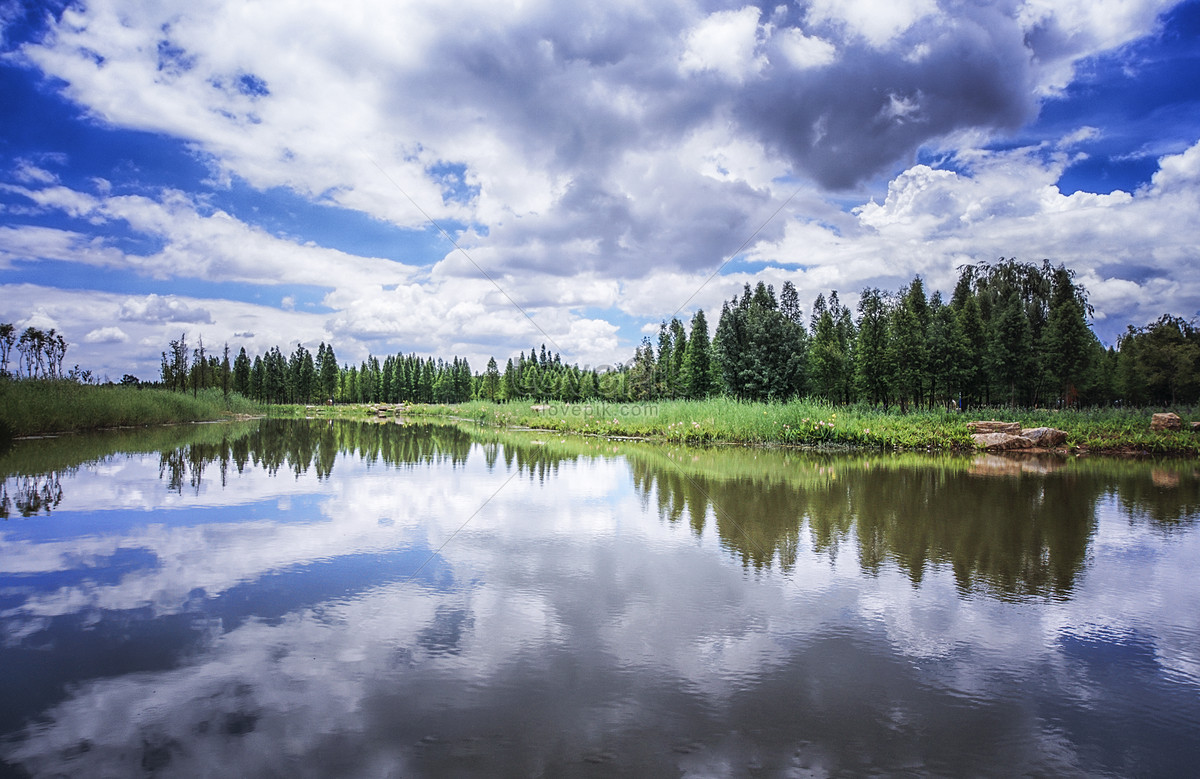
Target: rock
{"points": [[1012, 428], [1000, 442], [1166, 422], [1045, 436]]}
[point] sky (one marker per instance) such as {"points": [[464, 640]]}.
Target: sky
{"points": [[480, 178]]}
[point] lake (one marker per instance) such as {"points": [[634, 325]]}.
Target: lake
{"points": [[372, 599]]}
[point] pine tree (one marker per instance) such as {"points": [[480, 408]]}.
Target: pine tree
{"points": [[1011, 348], [906, 344], [241, 373], [873, 371], [490, 389], [1066, 338], [973, 370], [675, 381], [825, 360], [329, 374], [697, 372]]}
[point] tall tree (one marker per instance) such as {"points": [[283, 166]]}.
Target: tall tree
{"points": [[226, 372], [1011, 348], [873, 370], [1066, 338], [826, 360], [329, 374], [490, 390], [973, 367], [697, 372]]}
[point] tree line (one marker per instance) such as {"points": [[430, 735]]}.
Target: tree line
{"points": [[1012, 333]]}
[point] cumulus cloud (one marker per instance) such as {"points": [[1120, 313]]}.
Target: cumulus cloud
{"points": [[153, 308], [106, 335], [725, 43]]}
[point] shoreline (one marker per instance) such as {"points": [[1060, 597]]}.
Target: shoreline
{"points": [[800, 425], [947, 433]]}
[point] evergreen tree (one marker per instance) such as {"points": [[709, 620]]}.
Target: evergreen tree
{"points": [[1066, 338], [226, 373], [1011, 348], [818, 309], [846, 337], [587, 385], [258, 380], [789, 303], [568, 387], [329, 374], [696, 372], [425, 383], [873, 370], [275, 376], [490, 389], [825, 359], [972, 369], [910, 332], [508, 387], [676, 387], [663, 365], [948, 352], [641, 373], [241, 373]]}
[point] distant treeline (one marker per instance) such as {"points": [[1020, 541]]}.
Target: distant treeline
{"points": [[1012, 333]]}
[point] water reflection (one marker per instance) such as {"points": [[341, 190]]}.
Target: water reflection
{"points": [[1014, 526], [367, 599]]}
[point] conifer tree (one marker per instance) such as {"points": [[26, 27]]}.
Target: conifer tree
{"points": [[873, 371], [697, 369], [1066, 338]]}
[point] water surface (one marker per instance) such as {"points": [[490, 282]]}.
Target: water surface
{"points": [[307, 598]]}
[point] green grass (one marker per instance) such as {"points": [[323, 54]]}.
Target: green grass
{"points": [[43, 407], [816, 424]]}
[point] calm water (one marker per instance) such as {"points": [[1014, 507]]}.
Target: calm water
{"points": [[354, 599]]}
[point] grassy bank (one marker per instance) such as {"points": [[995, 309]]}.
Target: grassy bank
{"points": [[42, 407], [810, 423]]}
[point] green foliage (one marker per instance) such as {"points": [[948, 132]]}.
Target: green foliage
{"points": [[1159, 364], [873, 368], [759, 351], [697, 363]]}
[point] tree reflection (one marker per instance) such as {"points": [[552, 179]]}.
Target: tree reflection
{"points": [[298, 447], [1012, 527], [30, 495]]}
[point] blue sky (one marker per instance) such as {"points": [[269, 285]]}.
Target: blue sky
{"points": [[481, 178]]}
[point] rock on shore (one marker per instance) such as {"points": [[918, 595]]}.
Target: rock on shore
{"points": [[1007, 436]]}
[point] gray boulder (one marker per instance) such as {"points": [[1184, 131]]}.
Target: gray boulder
{"points": [[1000, 442], [1048, 437]]}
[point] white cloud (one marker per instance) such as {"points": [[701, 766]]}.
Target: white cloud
{"points": [[725, 42], [877, 22], [106, 335], [804, 51], [154, 308], [1178, 171]]}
